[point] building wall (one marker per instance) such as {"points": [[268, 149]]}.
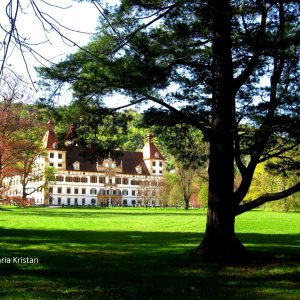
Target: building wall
{"points": [[107, 186], [94, 188]]}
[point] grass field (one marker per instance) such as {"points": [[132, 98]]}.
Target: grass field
{"points": [[130, 253]]}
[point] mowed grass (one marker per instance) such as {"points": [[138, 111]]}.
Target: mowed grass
{"points": [[134, 253]]}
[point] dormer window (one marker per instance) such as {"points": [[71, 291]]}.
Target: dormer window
{"points": [[156, 154], [76, 165], [138, 169]]}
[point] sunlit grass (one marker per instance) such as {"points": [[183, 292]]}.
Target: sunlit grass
{"points": [[130, 253]]}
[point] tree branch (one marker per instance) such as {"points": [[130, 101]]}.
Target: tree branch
{"points": [[268, 197], [188, 119], [252, 64]]}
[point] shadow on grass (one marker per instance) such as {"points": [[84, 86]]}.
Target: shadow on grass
{"points": [[140, 265]]}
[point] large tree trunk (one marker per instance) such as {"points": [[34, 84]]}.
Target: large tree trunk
{"points": [[220, 238]]}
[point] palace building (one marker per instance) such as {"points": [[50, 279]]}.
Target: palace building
{"points": [[85, 177]]}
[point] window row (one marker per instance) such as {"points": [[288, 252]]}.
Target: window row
{"points": [[93, 201], [101, 179], [92, 191], [52, 155], [157, 163]]}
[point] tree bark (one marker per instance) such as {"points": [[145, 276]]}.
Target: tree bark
{"points": [[220, 238]]}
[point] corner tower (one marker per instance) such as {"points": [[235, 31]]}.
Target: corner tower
{"points": [[153, 159], [55, 157]]}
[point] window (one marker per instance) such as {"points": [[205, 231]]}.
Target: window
{"points": [[160, 164], [138, 169], [102, 192], [125, 192], [75, 191], [83, 191], [76, 201], [153, 164], [69, 201], [83, 179], [68, 190], [51, 155], [50, 200], [93, 201], [125, 180], [51, 165], [59, 201], [76, 179], [59, 190], [137, 182], [69, 179], [59, 165], [124, 202], [59, 155], [83, 201], [59, 178], [51, 190], [101, 179], [93, 179], [76, 165], [133, 193], [118, 180], [93, 191]]}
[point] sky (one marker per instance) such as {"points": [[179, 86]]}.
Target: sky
{"points": [[81, 17]]}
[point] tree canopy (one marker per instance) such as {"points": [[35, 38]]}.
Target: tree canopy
{"points": [[228, 68]]}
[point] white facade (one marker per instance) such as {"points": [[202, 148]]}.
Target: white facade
{"points": [[125, 179]]}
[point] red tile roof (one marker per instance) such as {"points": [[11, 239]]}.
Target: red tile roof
{"points": [[150, 150], [50, 140]]}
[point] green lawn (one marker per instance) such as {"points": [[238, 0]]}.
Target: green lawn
{"points": [[130, 253]]}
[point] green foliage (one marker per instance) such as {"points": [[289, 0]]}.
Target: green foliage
{"points": [[203, 193], [265, 181], [101, 128]]}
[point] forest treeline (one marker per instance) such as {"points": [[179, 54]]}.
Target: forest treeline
{"points": [[184, 148]]}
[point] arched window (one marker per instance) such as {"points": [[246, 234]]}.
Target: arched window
{"points": [[93, 191], [76, 165], [125, 192]]}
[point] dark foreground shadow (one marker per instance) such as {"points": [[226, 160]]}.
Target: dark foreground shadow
{"points": [[141, 265]]}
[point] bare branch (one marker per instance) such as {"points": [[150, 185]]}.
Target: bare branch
{"points": [[13, 41]]}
